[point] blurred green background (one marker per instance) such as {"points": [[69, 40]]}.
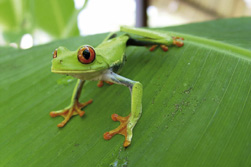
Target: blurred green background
{"points": [[25, 23], [37, 21]]}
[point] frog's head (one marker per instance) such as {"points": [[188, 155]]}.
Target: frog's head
{"points": [[83, 60]]}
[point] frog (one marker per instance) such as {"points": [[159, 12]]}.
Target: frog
{"points": [[103, 63]]}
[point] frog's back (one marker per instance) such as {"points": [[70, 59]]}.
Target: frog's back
{"points": [[113, 50]]}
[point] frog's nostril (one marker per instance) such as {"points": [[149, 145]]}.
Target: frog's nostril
{"points": [[60, 61]]}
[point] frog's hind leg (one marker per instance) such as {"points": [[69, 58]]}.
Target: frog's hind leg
{"points": [[154, 43], [151, 38], [126, 123], [74, 108]]}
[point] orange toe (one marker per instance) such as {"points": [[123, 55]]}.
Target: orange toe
{"points": [[121, 129], [178, 42], [52, 114], [164, 48], [81, 113], [75, 109], [100, 84], [60, 125], [152, 48], [107, 136]]}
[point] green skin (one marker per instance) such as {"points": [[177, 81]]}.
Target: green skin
{"points": [[110, 55]]}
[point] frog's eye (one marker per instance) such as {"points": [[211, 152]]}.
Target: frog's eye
{"points": [[55, 53], [86, 54]]}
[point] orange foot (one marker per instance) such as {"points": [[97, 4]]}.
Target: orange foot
{"points": [[178, 41], [67, 113], [163, 47], [121, 129], [101, 83]]}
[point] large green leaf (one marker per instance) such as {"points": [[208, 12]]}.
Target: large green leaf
{"points": [[196, 104], [10, 13], [57, 18]]}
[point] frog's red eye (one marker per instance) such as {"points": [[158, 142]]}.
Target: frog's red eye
{"points": [[86, 54], [55, 53]]}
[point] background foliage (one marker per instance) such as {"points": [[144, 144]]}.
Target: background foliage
{"points": [[196, 104], [56, 18]]}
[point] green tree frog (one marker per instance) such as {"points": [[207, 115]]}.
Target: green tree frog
{"points": [[102, 63]]}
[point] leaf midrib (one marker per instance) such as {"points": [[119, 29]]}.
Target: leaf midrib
{"points": [[216, 45]]}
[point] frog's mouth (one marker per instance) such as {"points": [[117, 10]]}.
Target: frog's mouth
{"points": [[83, 75], [72, 71]]}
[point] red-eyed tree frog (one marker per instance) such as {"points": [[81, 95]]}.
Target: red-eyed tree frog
{"points": [[102, 63]]}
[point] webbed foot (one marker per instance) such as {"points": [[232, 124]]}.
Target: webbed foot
{"points": [[67, 113], [122, 129]]}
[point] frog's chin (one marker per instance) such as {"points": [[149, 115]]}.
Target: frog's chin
{"points": [[83, 75]]}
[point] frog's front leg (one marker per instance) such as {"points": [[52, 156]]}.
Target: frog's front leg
{"points": [[74, 108], [126, 123]]}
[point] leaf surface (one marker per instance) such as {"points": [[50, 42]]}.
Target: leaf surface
{"points": [[196, 104]]}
